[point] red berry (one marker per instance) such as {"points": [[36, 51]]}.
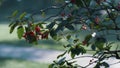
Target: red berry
{"points": [[31, 33], [37, 29], [44, 36], [25, 35]]}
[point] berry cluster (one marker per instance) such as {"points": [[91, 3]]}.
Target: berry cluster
{"points": [[34, 35]]}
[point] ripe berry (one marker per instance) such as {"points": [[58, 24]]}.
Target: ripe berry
{"points": [[44, 36], [31, 33], [25, 36], [37, 28]]}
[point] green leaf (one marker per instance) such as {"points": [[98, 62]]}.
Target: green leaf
{"points": [[62, 61], [99, 43], [76, 40], [97, 65], [110, 43], [22, 15], [51, 65], [50, 26], [70, 27], [43, 14], [82, 49], [61, 54], [68, 37], [79, 3], [76, 50], [11, 24], [72, 55], [88, 37], [68, 45], [13, 27], [93, 47], [14, 13], [106, 65], [40, 24], [53, 34], [20, 31]]}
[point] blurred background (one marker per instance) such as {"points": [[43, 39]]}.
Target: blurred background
{"points": [[15, 53]]}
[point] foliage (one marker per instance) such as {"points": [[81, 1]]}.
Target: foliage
{"points": [[98, 17]]}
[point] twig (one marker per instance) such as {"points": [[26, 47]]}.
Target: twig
{"points": [[81, 57], [51, 7], [90, 64]]}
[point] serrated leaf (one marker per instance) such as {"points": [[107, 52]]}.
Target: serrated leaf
{"points": [[20, 31], [61, 54], [22, 15]]}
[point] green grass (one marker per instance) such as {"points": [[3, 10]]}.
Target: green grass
{"points": [[17, 63], [12, 39]]}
